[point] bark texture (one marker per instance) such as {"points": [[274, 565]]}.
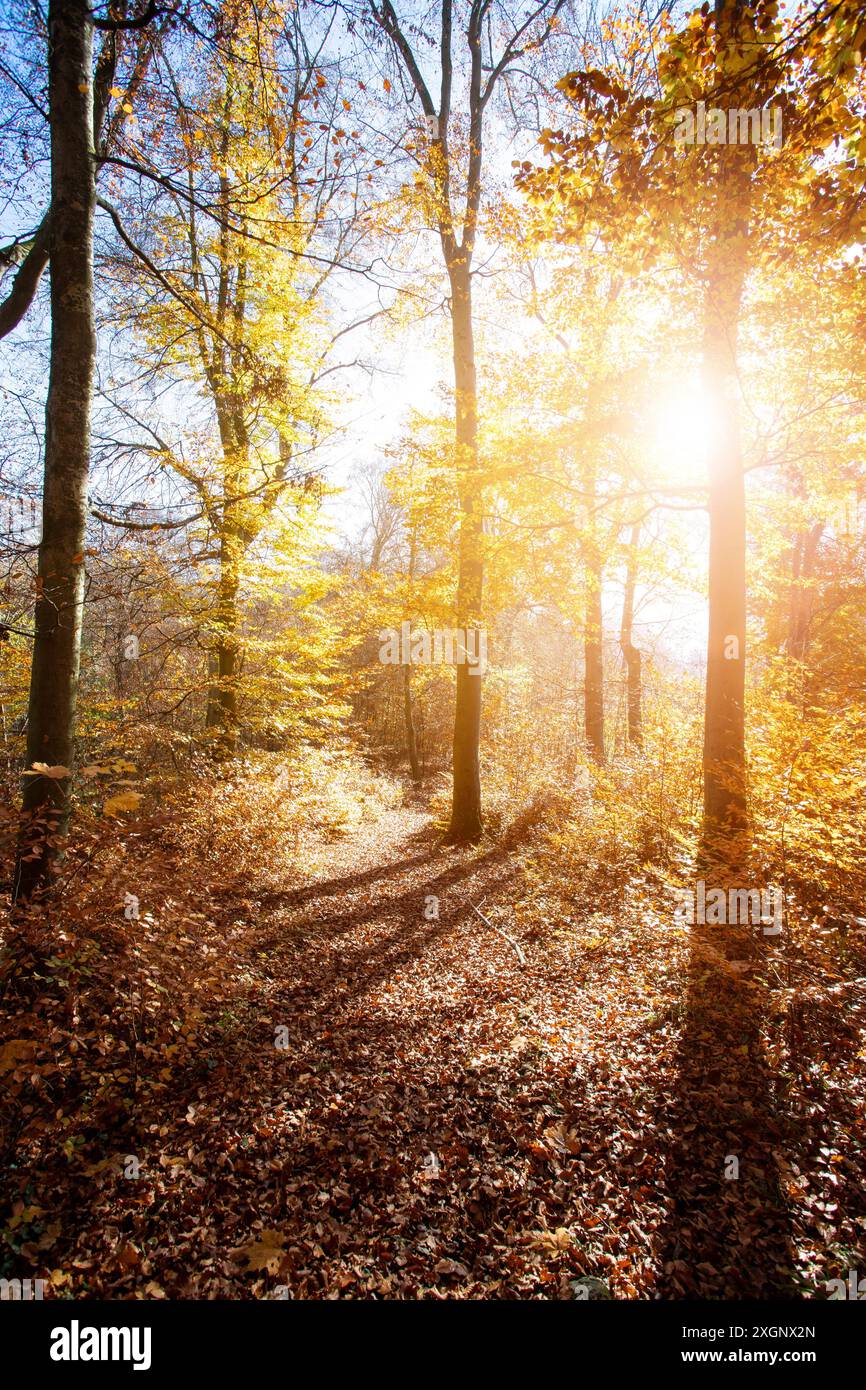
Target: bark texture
{"points": [[60, 576]]}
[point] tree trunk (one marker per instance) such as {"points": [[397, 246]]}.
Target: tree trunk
{"points": [[408, 713], [466, 825], [60, 581], [222, 710], [801, 600], [593, 685], [724, 730], [408, 718], [631, 654], [725, 816], [593, 655]]}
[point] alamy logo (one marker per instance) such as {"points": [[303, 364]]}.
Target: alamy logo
{"points": [[717, 907], [755, 126], [449, 646], [21, 1290], [854, 1289], [76, 1343]]}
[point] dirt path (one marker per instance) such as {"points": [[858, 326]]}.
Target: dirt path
{"points": [[421, 1124]]}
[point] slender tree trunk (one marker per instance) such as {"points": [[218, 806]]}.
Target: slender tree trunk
{"points": [[631, 654], [593, 684], [724, 722], [408, 712], [60, 581], [222, 711], [409, 721], [724, 764], [593, 654], [466, 825], [800, 605]]}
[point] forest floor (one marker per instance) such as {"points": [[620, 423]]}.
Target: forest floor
{"points": [[356, 1087]]}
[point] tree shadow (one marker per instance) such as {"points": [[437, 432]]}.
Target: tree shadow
{"points": [[353, 969], [728, 1233], [333, 887], [370, 965]]}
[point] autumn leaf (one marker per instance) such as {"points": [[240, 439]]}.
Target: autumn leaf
{"points": [[15, 1052], [123, 801], [264, 1253]]}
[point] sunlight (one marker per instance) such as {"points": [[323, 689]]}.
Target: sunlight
{"points": [[683, 429]]}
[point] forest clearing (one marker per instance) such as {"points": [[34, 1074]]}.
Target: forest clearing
{"points": [[432, 665]]}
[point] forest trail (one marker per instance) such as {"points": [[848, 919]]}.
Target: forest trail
{"points": [[362, 1098]]}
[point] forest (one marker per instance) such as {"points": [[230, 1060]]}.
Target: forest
{"points": [[432, 651]]}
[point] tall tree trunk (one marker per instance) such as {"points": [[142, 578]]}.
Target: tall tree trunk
{"points": [[593, 683], [631, 654], [593, 655], [724, 766], [408, 713], [27, 278], [466, 825], [222, 710], [724, 720], [801, 600], [60, 581], [409, 721]]}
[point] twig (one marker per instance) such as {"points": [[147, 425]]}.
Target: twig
{"points": [[510, 939]]}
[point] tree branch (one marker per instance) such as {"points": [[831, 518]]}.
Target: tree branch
{"points": [[27, 278], [151, 11]]}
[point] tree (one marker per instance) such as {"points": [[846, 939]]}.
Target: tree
{"points": [[455, 155], [632, 655], [60, 581], [710, 210], [78, 105], [238, 316]]}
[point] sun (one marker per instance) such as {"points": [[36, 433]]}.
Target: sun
{"points": [[683, 429]]}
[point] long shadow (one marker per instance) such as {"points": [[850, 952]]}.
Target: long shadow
{"points": [[389, 903], [327, 888], [359, 971], [728, 1233], [231, 1058], [355, 972]]}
